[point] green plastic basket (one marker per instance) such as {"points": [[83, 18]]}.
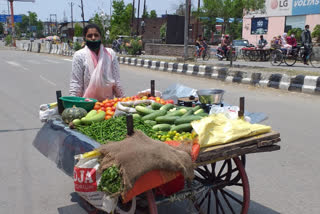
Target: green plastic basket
{"points": [[69, 102]]}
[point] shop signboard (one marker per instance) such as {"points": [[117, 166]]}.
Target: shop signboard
{"points": [[279, 7], [304, 7], [259, 25], [4, 17]]}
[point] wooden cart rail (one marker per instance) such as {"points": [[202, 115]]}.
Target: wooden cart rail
{"points": [[260, 143]]}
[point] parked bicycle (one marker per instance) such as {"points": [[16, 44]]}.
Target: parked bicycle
{"points": [[279, 56]]}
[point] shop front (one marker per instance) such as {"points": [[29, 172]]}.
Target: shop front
{"points": [[280, 16]]}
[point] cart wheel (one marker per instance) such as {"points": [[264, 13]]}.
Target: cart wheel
{"points": [[222, 187], [128, 208]]}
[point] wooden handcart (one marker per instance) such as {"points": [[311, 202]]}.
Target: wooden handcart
{"points": [[221, 184], [256, 54]]}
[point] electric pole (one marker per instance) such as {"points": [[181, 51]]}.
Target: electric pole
{"points": [[132, 16], [12, 24], [71, 5], [138, 17], [82, 14], [197, 23], [186, 30]]}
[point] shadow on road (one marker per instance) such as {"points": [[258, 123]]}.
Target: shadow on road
{"points": [[181, 207]]}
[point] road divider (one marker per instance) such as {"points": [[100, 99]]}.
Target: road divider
{"points": [[299, 83]]}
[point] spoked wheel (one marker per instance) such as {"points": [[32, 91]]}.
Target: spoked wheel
{"points": [[276, 57], [205, 56], [254, 56], [313, 61], [290, 60], [222, 188]]}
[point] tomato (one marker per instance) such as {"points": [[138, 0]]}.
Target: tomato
{"points": [[98, 103], [115, 105], [113, 108], [108, 117], [96, 107], [103, 109], [169, 101], [108, 105], [162, 102], [152, 98], [110, 113]]}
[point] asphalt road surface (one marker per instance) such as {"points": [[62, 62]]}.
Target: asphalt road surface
{"points": [[285, 181]]}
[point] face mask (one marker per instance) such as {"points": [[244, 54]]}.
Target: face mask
{"points": [[93, 45], [292, 36]]}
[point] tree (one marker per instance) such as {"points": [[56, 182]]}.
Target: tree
{"points": [[145, 14], [98, 20], [121, 18], [1, 28], [78, 31], [28, 23], [227, 9], [153, 14]]}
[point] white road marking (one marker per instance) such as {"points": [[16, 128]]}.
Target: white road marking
{"points": [[51, 61], [69, 60], [17, 65], [48, 81], [33, 62]]}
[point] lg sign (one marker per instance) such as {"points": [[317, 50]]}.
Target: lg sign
{"points": [[281, 3]]}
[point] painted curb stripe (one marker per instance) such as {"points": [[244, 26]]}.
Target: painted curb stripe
{"points": [[274, 81], [296, 83]]}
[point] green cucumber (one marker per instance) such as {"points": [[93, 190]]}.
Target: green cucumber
{"points": [[203, 114], [187, 119], [167, 119], [167, 107], [91, 113], [144, 110], [150, 122], [177, 112], [156, 106], [189, 112], [199, 111], [162, 127], [136, 116], [76, 122], [96, 118], [154, 115], [196, 108], [186, 127]]}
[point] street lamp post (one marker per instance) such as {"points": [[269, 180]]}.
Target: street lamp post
{"points": [[12, 24]]}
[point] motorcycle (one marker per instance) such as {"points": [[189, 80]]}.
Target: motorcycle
{"points": [[220, 54]]}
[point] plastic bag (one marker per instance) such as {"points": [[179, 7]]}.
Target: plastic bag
{"points": [[177, 91], [101, 82], [218, 129], [148, 92], [47, 111], [86, 181]]}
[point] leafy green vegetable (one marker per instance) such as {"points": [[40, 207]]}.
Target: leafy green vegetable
{"points": [[114, 129], [110, 180]]}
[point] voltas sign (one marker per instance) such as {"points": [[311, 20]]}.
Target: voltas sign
{"points": [[303, 7], [292, 7], [279, 7]]}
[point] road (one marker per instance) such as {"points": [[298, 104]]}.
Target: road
{"points": [[286, 181]]}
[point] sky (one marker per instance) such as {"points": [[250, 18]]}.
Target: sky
{"points": [[60, 7]]}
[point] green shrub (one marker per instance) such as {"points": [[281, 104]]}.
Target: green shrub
{"points": [[316, 32], [8, 40], [134, 47], [297, 32], [76, 46], [163, 31]]}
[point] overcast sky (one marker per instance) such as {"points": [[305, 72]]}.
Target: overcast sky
{"points": [[46, 7]]}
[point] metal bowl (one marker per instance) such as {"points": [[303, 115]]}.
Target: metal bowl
{"points": [[210, 96]]}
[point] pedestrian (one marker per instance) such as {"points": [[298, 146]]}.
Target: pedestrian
{"points": [[306, 43], [95, 69], [262, 42], [285, 45]]}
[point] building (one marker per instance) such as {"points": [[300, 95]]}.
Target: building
{"points": [[280, 16]]}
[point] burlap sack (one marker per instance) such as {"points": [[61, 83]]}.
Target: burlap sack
{"points": [[139, 154]]}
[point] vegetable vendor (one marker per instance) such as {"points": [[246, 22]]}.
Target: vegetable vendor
{"points": [[95, 69]]}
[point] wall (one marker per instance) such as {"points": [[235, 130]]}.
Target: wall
{"points": [[313, 20], [167, 49], [275, 28]]}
